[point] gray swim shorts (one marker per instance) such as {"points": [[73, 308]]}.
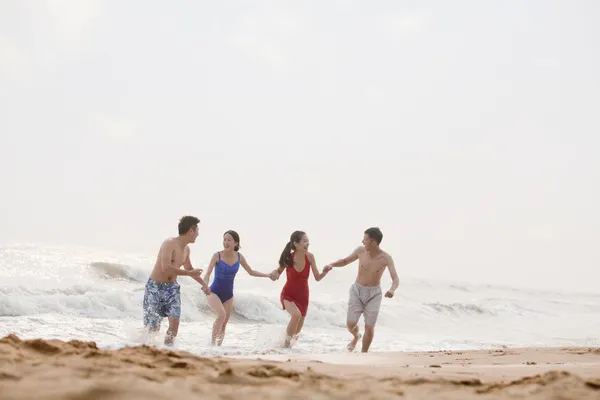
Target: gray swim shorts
{"points": [[364, 300], [161, 299]]}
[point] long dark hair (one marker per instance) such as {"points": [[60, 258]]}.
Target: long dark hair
{"points": [[286, 255], [236, 238]]}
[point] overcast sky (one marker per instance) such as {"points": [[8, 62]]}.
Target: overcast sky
{"points": [[468, 131]]}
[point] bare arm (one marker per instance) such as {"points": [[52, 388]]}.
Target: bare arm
{"points": [[277, 271], [211, 266], [394, 276], [187, 264], [313, 265], [348, 260], [166, 255], [249, 269]]}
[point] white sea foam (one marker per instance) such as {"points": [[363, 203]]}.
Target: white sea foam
{"points": [[77, 293]]}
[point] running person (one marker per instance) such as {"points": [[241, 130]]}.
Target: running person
{"points": [[226, 264], [365, 294], [162, 297], [297, 262]]}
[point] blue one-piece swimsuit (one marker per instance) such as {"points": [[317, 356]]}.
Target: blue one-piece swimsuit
{"points": [[222, 285]]}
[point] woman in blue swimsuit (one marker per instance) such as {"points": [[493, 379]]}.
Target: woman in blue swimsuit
{"points": [[226, 264]]}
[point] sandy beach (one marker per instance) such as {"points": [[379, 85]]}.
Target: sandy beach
{"points": [[53, 369]]}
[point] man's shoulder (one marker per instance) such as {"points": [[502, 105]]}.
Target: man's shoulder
{"points": [[168, 241], [387, 256], [360, 250]]}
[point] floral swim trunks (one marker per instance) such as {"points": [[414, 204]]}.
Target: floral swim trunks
{"points": [[161, 299]]}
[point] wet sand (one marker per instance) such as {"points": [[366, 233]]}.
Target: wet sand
{"points": [[52, 369]]}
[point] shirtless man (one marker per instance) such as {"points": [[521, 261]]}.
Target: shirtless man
{"points": [[365, 293], [162, 296]]}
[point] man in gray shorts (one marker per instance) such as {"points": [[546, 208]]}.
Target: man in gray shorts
{"points": [[365, 293]]}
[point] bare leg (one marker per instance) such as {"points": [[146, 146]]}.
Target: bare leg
{"points": [[228, 306], [172, 331], [368, 338], [370, 313], [300, 325], [353, 329], [295, 317], [217, 307]]}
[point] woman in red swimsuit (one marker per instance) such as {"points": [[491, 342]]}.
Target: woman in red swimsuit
{"points": [[297, 262]]}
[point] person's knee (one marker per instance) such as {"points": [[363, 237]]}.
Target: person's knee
{"points": [[220, 318], [351, 325], [369, 329], [295, 314]]}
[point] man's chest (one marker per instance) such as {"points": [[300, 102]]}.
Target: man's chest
{"points": [[369, 264], [372, 263], [178, 257]]}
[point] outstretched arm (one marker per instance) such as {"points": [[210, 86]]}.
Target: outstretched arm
{"points": [[187, 264], [394, 276], [313, 264], [252, 272], [166, 255], [342, 262]]}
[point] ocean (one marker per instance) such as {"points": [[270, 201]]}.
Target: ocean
{"points": [[74, 293]]}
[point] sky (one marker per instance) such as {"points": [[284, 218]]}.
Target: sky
{"points": [[468, 131]]}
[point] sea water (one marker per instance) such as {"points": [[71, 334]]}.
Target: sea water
{"points": [[73, 293]]}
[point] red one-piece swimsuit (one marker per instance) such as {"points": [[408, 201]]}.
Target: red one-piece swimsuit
{"points": [[296, 286]]}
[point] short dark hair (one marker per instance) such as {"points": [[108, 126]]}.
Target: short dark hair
{"points": [[186, 223], [375, 234]]}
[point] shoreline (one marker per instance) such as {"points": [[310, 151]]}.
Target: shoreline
{"points": [[487, 365], [55, 369]]}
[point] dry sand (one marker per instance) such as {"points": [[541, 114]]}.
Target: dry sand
{"points": [[52, 369]]}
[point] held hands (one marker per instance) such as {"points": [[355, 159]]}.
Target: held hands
{"points": [[274, 275], [327, 269], [206, 290]]}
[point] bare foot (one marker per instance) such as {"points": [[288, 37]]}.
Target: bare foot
{"points": [[352, 344], [288, 341], [169, 339]]}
